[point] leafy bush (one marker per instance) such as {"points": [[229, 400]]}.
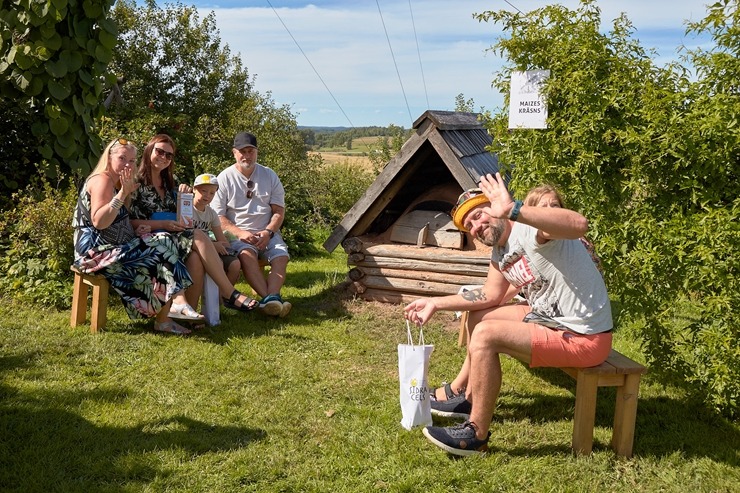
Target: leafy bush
{"points": [[37, 245], [650, 156], [336, 189]]}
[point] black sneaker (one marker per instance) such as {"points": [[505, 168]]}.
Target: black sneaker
{"points": [[456, 407], [272, 305], [457, 440]]}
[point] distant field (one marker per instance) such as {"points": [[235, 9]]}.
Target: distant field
{"points": [[360, 161], [361, 147]]}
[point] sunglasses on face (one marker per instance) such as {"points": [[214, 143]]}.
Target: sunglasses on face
{"points": [[165, 154], [250, 192]]}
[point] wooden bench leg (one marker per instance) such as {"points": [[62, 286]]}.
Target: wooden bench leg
{"points": [[79, 302], [99, 305], [81, 288], [625, 414], [585, 414], [462, 337]]}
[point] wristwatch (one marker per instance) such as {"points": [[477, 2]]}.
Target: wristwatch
{"points": [[272, 233]]}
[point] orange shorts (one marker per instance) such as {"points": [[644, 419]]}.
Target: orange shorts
{"points": [[562, 348]]}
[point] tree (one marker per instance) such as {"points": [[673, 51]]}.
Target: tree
{"points": [[179, 79], [53, 58], [388, 146], [650, 155], [463, 105]]}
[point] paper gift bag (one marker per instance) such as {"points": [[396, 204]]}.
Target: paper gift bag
{"points": [[413, 367], [211, 302]]}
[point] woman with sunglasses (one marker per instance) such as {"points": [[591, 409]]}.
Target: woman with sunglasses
{"points": [[157, 194], [145, 272]]}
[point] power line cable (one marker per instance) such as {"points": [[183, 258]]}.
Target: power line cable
{"points": [[418, 52], [311, 64], [514, 6], [411, 119]]}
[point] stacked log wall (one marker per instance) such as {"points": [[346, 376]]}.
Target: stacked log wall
{"points": [[399, 273]]}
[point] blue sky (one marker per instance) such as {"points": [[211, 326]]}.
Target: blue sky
{"points": [[358, 83]]}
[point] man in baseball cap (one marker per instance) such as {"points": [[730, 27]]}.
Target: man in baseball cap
{"points": [[565, 322], [250, 203]]}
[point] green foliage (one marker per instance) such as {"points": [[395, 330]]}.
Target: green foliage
{"points": [[174, 63], [464, 105], [335, 190], [388, 146], [650, 156], [53, 57], [37, 245], [16, 149], [180, 80]]}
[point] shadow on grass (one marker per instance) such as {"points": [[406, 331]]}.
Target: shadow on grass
{"points": [[307, 310], [43, 446], [313, 309], [664, 425]]}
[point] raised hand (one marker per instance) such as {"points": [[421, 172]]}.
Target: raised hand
{"points": [[128, 181], [495, 191]]}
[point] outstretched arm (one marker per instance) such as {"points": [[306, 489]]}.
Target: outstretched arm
{"points": [[496, 291], [553, 223]]}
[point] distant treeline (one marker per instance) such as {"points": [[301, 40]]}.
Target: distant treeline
{"points": [[322, 137]]}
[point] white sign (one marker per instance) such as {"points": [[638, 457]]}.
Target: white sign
{"points": [[527, 108]]}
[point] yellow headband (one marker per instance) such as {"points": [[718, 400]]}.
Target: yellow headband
{"points": [[459, 212]]}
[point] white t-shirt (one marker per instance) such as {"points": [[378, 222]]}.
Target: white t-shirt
{"points": [[248, 214], [206, 219], [558, 279]]}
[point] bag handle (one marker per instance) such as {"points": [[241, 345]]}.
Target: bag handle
{"points": [[410, 338]]}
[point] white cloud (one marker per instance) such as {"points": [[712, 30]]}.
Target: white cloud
{"points": [[347, 46]]}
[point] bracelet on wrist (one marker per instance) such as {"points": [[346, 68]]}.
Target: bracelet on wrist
{"points": [[514, 214], [270, 232], [116, 203]]}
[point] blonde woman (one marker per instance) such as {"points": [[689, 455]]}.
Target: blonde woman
{"points": [[146, 272]]}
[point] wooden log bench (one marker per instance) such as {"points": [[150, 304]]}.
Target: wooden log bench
{"points": [[99, 309], [617, 371]]}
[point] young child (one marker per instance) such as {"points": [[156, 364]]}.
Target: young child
{"points": [[205, 218]]}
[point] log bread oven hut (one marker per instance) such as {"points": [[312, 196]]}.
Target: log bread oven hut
{"points": [[399, 237]]}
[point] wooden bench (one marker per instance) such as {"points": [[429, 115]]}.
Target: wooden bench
{"points": [[617, 371], [99, 309]]}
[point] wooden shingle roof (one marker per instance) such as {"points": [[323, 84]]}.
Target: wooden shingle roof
{"points": [[445, 143]]}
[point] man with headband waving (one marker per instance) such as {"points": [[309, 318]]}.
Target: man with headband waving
{"points": [[565, 321]]}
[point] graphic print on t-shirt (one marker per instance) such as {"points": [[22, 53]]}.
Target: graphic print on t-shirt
{"points": [[516, 270]]}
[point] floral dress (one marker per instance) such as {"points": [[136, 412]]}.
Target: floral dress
{"points": [[145, 202], [146, 272]]}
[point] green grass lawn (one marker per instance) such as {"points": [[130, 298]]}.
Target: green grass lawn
{"points": [[309, 403]]}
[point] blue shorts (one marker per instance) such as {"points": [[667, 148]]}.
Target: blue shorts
{"points": [[275, 248]]}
